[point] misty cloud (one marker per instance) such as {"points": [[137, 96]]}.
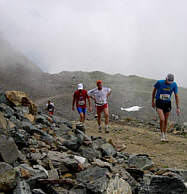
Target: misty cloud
{"points": [[146, 37]]}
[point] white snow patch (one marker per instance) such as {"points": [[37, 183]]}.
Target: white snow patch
{"points": [[132, 109]]}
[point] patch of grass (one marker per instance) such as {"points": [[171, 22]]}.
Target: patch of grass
{"points": [[128, 119], [126, 138], [165, 166]]}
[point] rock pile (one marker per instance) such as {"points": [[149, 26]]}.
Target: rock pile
{"points": [[40, 154]]}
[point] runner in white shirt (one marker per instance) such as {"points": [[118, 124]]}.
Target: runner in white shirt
{"points": [[100, 96]]}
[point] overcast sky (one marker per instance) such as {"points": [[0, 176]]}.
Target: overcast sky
{"points": [[143, 37]]}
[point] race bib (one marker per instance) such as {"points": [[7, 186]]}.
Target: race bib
{"points": [[82, 102], [164, 96]]}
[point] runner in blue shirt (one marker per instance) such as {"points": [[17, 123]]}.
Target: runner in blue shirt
{"points": [[162, 91]]}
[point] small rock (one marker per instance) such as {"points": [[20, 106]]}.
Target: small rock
{"points": [[38, 191], [71, 142], [22, 188], [53, 174], [108, 150], [80, 127], [89, 153], [3, 121], [7, 110], [80, 159], [102, 164], [20, 137]]}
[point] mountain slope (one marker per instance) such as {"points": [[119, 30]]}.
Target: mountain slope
{"points": [[127, 91], [19, 73]]}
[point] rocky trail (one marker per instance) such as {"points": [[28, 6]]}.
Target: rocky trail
{"points": [[51, 155], [171, 154]]}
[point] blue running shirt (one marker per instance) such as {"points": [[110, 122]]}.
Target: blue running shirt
{"points": [[164, 91]]}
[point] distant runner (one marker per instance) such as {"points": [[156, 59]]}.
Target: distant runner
{"points": [[50, 107], [79, 97], [163, 90], [100, 96]]}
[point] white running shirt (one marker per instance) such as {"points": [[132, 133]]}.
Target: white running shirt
{"points": [[99, 95], [52, 104]]}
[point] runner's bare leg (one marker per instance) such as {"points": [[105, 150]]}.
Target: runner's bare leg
{"points": [[162, 119], [99, 117], [82, 117], [166, 115], [106, 113]]}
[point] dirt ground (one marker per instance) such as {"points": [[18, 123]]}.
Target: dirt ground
{"points": [[171, 154]]}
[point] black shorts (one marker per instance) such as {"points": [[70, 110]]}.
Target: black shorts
{"points": [[165, 106]]}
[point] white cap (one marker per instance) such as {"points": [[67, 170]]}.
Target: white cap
{"points": [[80, 86]]}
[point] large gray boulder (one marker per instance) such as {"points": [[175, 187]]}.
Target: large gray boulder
{"points": [[8, 149], [177, 173], [117, 169], [118, 185], [163, 185], [98, 180], [7, 177], [95, 179], [140, 161], [22, 188]]}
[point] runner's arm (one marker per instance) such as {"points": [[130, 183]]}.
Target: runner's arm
{"points": [[89, 104], [177, 99], [93, 98], [108, 94], [177, 103], [73, 102], [90, 94], [153, 97]]}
